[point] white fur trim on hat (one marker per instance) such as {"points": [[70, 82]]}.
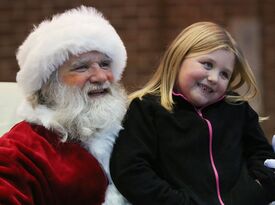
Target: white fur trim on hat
{"points": [[75, 31]]}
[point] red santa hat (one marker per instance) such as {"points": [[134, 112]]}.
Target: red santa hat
{"points": [[73, 32]]}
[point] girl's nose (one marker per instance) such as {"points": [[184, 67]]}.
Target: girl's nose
{"points": [[213, 77]]}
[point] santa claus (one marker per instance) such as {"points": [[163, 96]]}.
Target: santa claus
{"points": [[70, 66]]}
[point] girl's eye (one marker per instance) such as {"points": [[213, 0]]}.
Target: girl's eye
{"points": [[207, 65], [225, 75]]}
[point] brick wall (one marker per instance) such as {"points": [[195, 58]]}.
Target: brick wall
{"points": [[267, 17], [146, 27]]}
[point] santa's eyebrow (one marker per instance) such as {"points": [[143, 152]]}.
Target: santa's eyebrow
{"points": [[79, 62], [107, 59], [88, 59]]}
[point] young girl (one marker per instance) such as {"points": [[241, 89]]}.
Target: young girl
{"points": [[188, 137]]}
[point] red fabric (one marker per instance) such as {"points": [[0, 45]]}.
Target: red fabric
{"points": [[36, 168]]}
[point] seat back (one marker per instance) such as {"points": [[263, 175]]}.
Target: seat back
{"points": [[10, 97]]}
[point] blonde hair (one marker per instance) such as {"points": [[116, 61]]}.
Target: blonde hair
{"points": [[198, 38]]}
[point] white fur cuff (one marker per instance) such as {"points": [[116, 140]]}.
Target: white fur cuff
{"points": [[113, 197]]}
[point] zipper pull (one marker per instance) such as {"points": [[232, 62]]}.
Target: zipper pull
{"points": [[199, 112]]}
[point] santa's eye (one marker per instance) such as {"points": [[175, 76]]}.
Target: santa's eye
{"points": [[105, 64], [81, 68]]}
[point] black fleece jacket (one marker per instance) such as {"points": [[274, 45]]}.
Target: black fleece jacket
{"points": [[211, 156]]}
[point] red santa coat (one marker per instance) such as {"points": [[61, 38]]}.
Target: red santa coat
{"points": [[37, 168]]}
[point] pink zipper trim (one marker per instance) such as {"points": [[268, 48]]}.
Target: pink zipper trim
{"points": [[211, 156], [210, 129]]}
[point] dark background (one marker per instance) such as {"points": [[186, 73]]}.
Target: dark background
{"points": [[148, 26]]}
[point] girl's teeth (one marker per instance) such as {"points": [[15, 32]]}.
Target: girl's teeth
{"points": [[204, 88]]}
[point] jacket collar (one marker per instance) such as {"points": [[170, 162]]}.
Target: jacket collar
{"points": [[184, 98]]}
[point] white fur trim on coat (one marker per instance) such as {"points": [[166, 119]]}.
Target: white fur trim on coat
{"points": [[73, 32], [113, 197]]}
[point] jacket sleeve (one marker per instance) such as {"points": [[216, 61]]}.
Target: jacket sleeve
{"points": [[257, 150], [133, 161], [14, 172]]}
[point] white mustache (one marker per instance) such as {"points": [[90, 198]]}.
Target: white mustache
{"points": [[91, 87]]}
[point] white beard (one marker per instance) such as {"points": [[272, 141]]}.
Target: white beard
{"points": [[94, 121], [78, 116]]}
